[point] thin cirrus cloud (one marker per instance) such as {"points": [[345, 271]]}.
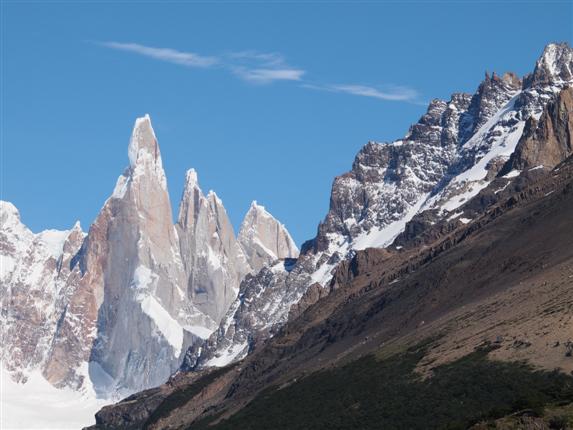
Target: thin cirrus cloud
{"points": [[262, 68], [264, 76], [250, 66], [259, 67], [391, 93], [189, 59]]}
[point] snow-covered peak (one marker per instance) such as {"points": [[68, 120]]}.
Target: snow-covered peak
{"points": [[214, 198], [555, 65], [254, 217], [8, 213], [257, 210], [553, 55], [142, 140], [191, 179], [144, 158], [264, 239], [54, 240]]}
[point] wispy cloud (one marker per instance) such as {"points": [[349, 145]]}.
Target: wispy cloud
{"points": [[189, 59], [252, 66], [263, 68], [391, 93], [265, 76]]}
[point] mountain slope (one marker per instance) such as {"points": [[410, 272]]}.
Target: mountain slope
{"points": [[496, 283], [454, 151]]}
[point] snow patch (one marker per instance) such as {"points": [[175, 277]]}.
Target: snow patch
{"points": [[7, 266], [382, 237], [229, 355], [143, 277], [120, 187], [165, 323], [54, 241], [37, 404], [169, 327], [199, 331], [512, 174]]}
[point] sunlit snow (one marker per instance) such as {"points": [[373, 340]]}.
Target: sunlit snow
{"points": [[39, 405]]}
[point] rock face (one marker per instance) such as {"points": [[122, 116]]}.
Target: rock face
{"points": [[271, 254], [547, 142], [271, 292], [263, 239], [454, 151], [114, 310], [134, 246], [213, 260]]}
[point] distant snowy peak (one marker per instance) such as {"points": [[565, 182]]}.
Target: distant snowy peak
{"points": [[264, 239], [34, 276], [15, 235], [18, 240], [553, 67], [110, 312], [8, 213]]}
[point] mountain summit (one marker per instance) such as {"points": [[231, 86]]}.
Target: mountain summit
{"points": [[264, 239]]}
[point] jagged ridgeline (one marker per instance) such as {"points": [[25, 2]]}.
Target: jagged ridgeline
{"points": [[438, 239], [113, 310], [137, 298], [458, 148]]}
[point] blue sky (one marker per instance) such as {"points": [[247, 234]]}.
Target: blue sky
{"points": [[265, 101]]}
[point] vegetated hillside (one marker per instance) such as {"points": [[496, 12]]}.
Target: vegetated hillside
{"points": [[388, 393], [502, 281]]}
